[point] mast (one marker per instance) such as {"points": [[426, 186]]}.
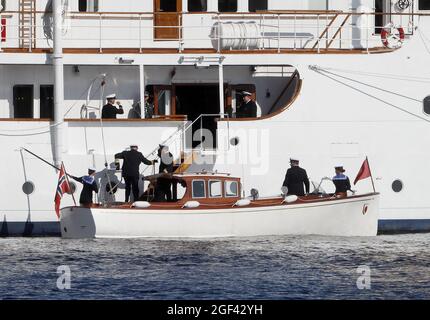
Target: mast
{"points": [[57, 61]]}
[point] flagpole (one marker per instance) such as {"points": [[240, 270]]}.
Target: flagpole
{"points": [[371, 176], [67, 178]]}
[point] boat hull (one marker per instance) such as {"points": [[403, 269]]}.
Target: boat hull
{"points": [[340, 217]]}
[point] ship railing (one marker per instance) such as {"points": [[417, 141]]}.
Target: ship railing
{"points": [[313, 31], [183, 138]]}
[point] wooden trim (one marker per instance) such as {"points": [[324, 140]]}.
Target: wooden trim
{"points": [[159, 119], [377, 50], [273, 114], [24, 120]]}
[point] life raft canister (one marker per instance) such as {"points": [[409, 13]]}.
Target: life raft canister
{"points": [[392, 37], [3, 30]]}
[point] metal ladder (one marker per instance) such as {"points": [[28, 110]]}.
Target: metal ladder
{"points": [[27, 24]]}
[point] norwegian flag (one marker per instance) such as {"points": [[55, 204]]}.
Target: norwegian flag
{"points": [[63, 187]]}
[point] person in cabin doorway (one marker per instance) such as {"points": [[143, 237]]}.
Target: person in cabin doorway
{"points": [[89, 186], [248, 109], [130, 170], [341, 182], [148, 107], [296, 179], [164, 186], [109, 110]]}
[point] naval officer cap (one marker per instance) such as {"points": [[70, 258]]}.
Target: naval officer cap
{"points": [[339, 168], [294, 160], [91, 170], [111, 96], [134, 146], [246, 93]]}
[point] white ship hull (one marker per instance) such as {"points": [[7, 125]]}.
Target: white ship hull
{"points": [[327, 124], [343, 217]]}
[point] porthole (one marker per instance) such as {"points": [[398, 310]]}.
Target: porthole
{"points": [[426, 105], [28, 187], [72, 187], [397, 186], [234, 141]]}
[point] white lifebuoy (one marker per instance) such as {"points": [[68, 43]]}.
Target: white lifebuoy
{"points": [[392, 37]]}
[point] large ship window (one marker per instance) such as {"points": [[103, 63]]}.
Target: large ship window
{"points": [[197, 5], [424, 5], [227, 5], [427, 105], [215, 189], [257, 5], [23, 101], [199, 190], [231, 189]]}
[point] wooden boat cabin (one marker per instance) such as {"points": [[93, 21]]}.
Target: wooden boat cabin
{"points": [[196, 189]]}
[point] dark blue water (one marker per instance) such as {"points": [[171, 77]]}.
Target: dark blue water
{"points": [[257, 268]]}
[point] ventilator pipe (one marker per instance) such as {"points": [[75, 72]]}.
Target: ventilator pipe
{"points": [[57, 61]]}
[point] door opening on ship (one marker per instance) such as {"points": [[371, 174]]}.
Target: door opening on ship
{"points": [[193, 101]]}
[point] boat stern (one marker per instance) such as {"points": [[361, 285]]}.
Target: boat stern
{"points": [[77, 223]]}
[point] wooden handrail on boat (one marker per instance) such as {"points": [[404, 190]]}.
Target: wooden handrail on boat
{"points": [[290, 81], [325, 31], [338, 30], [157, 119]]}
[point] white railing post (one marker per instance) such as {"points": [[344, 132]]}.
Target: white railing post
{"points": [[367, 32], [100, 32], [295, 31], [140, 33], [279, 33], [318, 32], [264, 32], [219, 33], [221, 87]]}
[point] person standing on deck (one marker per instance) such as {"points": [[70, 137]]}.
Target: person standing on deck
{"points": [[89, 186], [248, 108], [130, 170], [296, 179], [164, 186], [341, 182], [109, 110]]}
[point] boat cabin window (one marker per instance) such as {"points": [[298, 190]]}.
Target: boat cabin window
{"points": [[427, 105], [215, 189], [257, 5], [197, 5], [424, 5], [88, 5], [198, 188], [227, 5], [231, 189], [168, 6]]}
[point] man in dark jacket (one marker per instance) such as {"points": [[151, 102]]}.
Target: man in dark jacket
{"points": [[130, 170], [296, 179], [89, 186], [248, 108], [109, 110], [164, 186], [341, 182]]}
